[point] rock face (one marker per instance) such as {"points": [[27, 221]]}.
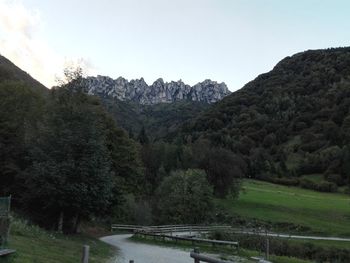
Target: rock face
{"points": [[159, 92]]}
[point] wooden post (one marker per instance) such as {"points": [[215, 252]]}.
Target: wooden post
{"points": [[267, 248], [131, 261], [60, 223], [85, 257], [267, 245], [196, 250]]}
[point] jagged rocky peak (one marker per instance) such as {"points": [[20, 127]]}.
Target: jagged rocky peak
{"points": [[159, 92]]}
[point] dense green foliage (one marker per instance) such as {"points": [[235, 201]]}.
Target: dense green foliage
{"points": [[222, 167], [293, 120], [63, 158], [160, 121], [185, 198], [20, 108], [71, 170]]}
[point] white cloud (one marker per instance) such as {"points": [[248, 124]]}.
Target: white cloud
{"points": [[21, 42]]}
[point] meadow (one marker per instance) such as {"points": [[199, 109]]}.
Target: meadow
{"points": [[306, 211]]}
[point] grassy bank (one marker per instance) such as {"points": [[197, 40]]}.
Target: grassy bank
{"points": [[34, 245], [320, 213]]}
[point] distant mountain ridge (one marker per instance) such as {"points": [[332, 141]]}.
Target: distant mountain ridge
{"points": [[138, 91]]}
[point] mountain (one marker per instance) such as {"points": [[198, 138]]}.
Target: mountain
{"points": [[291, 121], [159, 92], [160, 108], [10, 72]]}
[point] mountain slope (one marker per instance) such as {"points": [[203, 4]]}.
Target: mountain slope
{"points": [[293, 120], [160, 108], [161, 121], [10, 72]]}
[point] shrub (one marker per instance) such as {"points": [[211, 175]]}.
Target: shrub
{"points": [[283, 180], [184, 197], [312, 146], [308, 184], [335, 178], [321, 187], [327, 187]]}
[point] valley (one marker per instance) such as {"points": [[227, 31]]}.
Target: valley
{"points": [[273, 155]]}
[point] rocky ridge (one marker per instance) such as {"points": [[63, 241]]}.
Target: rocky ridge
{"points": [[159, 92]]}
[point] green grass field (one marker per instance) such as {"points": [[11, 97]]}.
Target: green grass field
{"points": [[322, 213], [34, 245]]}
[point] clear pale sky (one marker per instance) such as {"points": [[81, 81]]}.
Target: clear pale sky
{"points": [[229, 41]]}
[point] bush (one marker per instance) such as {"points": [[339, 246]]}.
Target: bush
{"points": [[335, 178], [184, 197], [321, 187], [327, 187], [283, 181], [312, 146], [308, 184], [347, 190]]}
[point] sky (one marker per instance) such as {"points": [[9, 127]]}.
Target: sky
{"points": [[231, 41]]}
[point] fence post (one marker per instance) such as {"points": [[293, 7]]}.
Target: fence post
{"points": [[267, 246], [85, 257], [196, 250], [131, 261]]}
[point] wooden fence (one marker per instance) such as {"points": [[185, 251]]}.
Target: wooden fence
{"points": [[170, 232], [170, 228], [193, 240], [202, 258]]}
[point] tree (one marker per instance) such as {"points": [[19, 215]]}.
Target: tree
{"points": [[124, 154], [143, 138], [20, 109], [345, 167], [184, 197], [260, 164], [223, 168], [71, 172]]}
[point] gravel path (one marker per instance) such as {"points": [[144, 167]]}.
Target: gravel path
{"points": [[145, 253]]}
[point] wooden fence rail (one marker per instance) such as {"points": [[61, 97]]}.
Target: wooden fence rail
{"points": [[193, 240], [170, 228], [199, 257]]}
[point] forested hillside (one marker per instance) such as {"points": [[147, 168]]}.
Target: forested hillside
{"points": [[10, 72], [160, 121], [290, 122]]}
